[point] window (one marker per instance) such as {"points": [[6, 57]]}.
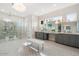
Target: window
{"points": [[71, 17], [55, 18]]}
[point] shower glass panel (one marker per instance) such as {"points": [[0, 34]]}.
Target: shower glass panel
{"points": [[7, 30], [10, 30]]}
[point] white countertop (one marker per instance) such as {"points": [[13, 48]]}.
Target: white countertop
{"points": [[50, 32]]}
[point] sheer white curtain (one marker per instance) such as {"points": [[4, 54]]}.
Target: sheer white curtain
{"points": [[31, 25]]}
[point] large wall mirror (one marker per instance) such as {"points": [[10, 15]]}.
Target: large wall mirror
{"points": [[72, 17], [71, 20]]}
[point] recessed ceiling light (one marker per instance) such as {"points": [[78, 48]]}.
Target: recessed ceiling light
{"points": [[2, 10], [54, 5]]}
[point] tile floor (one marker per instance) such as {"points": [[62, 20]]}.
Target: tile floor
{"points": [[16, 48]]}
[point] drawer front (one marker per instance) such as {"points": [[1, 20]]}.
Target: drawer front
{"points": [[45, 36], [39, 35], [77, 41], [67, 40], [59, 39]]}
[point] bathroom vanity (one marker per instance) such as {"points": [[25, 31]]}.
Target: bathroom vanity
{"points": [[41, 35], [70, 39]]}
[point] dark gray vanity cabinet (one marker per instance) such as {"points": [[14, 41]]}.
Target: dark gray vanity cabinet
{"points": [[77, 40], [45, 36], [41, 35], [65, 39], [72, 41], [68, 39], [58, 38]]}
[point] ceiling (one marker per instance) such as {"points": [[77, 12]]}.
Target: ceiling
{"points": [[33, 8]]}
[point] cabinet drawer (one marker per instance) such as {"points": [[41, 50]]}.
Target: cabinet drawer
{"points": [[77, 41], [39, 35]]}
